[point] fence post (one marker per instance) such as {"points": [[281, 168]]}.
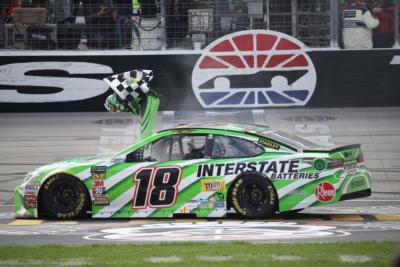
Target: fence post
{"points": [[396, 31], [2, 32], [294, 18], [267, 13], [335, 22], [162, 25]]}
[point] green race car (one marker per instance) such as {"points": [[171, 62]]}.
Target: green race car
{"points": [[198, 170]]}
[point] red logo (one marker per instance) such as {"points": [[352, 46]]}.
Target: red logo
{"points": [[325, 191], [98, 183], [252, 69]]}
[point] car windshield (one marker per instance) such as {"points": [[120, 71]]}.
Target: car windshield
{"points": [[290, 140]]}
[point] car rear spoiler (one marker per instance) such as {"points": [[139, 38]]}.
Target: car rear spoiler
{"points": [[337, 149]]}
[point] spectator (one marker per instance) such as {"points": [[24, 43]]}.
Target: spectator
{"points": [[100, 18], [63, 11], [358, 23], [3, 6], [39, 3], [124, 8], [10, 9], [383, 35], [124, 11]]}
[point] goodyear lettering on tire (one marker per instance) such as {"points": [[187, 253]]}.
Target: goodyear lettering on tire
{"points": [[271, 195], [235, 200], [77, 210], [50, 181]]}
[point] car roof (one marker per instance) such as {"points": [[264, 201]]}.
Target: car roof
{"points": [[235, 127]]}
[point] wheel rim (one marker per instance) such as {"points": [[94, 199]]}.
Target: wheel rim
{"points": [[64, 196], [254, 197]]}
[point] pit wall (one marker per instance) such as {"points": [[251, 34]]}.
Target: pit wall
{"points": [[42, 81]]}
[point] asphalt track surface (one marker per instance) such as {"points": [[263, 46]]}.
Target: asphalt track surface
{"points": [[31, 140]]}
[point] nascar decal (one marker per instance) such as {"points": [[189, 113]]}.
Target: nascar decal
{"points": [[276, 170], [254, 68]]}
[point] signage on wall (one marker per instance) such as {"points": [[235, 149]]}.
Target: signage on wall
{"points": [[248, 69], [254, 68], [33, 82]]}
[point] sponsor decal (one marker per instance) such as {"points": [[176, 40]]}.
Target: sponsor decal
{"points": [[276, 170], [325, 191], [293, 175], [99, 191], [351, 168], [297, 192], [356, 183], [101, 200], [98, 176], [219, 205], [223, 169], [192, 204], [269, 144], [36, 82], [30, 194], [118, 160], [219, 197], [214, 202], [254, 68], [31, 200], [32, 187], [319, 164], [98, 183], [216, 185], [207, 203]]}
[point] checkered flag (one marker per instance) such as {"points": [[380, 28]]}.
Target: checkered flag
{"points": [[130, 85]]}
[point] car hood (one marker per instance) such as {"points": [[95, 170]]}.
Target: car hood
{"points": [[64, 165]]}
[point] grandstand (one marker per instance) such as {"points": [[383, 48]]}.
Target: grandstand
{"points": [[164, 24]]}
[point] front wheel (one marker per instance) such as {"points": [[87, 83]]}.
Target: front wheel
{"points": [[254, 197], [64, 197]]}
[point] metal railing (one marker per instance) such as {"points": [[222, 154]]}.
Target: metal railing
{"points": [[165, 24]]}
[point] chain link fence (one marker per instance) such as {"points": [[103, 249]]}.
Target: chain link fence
{"points": [[165, 24]]}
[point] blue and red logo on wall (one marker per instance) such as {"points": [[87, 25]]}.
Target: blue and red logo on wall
{"points": [[255, 68]]}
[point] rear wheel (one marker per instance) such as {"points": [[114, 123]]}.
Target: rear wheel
{"points": [[64, 197], [254, 197]]}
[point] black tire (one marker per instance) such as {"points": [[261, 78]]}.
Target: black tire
{"points": [[64, 197], [254, 197]]}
